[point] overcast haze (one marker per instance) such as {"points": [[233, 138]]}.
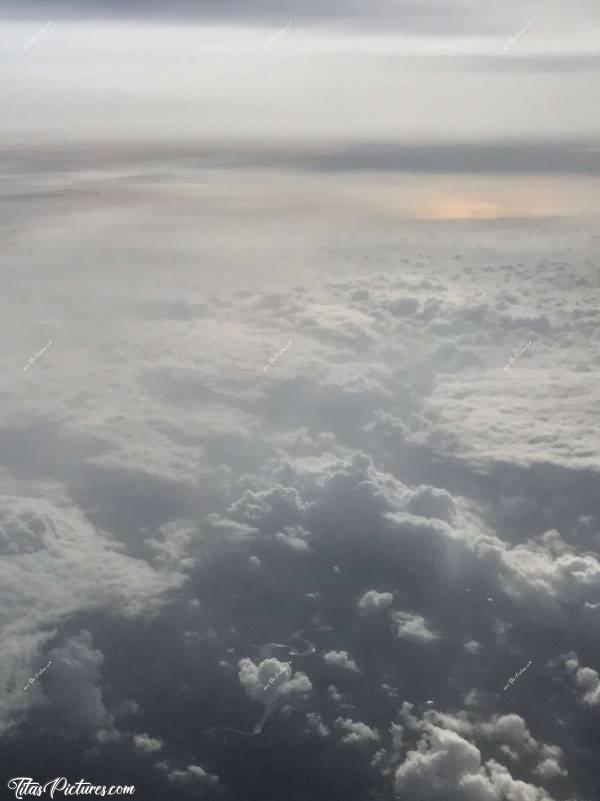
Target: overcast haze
{"points": [[299, 479]]}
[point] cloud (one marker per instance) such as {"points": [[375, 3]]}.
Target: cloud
{"points": [[179, 309], [356, 732], [543, 574], [517, 425], [269, 509], [533, 574], [254, 678], [341, 659], [146, 744], [428, 158], [586, 679], [432, 502], [294, 538], [347, 447], [194, 774], [549, 769], [49, 546], [372, 600], [510, 729], [316, 724], [448, 766], [409, 626], [334, 694], [72, 684], [447, 48]]}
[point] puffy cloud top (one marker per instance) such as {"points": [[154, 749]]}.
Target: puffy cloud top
{"points": [[586, 679], [146, 744], [254, 678], [373, 600], [447, 766], [356, 732], [72, 682], [409, 626], [341, 659]]}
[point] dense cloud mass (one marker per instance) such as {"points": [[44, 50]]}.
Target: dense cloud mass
{"points": [[372, 570]]}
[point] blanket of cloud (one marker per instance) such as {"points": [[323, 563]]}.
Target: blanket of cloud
{"points": [[168, 507], [311, 582]]}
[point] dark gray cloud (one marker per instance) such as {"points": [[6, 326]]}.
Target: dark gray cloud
{"points": [[574, 157], [432, 16], [503, 158]]}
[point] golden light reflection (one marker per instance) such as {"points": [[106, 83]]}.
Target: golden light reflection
{"points": [[463, 208], [477, 197]]}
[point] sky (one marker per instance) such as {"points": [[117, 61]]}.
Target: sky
{"points": [[298, 473]]}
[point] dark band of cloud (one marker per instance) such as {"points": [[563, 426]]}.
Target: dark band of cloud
{"points": [[508, 158]]}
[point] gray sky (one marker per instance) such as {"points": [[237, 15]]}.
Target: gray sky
{"points": [[322, 94], [434, 71]]}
